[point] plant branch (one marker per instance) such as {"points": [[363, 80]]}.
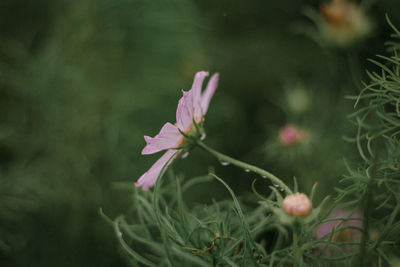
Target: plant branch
{"points": [[263, 173]]}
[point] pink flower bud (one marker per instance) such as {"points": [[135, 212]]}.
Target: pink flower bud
{"points": [[297, 204], [289, 135]]}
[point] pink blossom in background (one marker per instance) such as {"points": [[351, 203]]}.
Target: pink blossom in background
{"points": [[289, 135], [346, 235], [191, 107]]}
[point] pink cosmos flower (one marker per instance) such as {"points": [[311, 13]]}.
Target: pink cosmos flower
{"points": [[192, 108]]}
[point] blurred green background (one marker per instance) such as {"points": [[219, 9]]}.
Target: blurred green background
{"points": [[81, 82]]}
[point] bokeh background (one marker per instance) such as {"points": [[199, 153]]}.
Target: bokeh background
{"points": [[81, 82]]}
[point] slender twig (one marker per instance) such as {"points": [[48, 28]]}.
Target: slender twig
{"points": [[263, 173]]}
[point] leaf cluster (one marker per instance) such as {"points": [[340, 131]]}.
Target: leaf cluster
{"points": [[375, 185]]}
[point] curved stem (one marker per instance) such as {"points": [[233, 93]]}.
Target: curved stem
{"points": [[263, 173]]}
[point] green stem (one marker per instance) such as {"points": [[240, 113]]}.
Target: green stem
{"points": [[367, 214], [368, 206], [263, 173], [295, 247], [156, 208]]}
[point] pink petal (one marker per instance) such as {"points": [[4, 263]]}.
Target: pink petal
{"points": [[325, 228], [149, 178], [289, 135], [209, 92], [196, 88], [184, 112], [169, 137]]}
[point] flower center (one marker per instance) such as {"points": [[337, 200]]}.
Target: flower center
{"points": [[192, 133]]}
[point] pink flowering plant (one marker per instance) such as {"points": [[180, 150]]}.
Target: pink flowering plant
{"points": [[213, 133], [179, 138], [278, 223], [188, 132], [237, 237]]}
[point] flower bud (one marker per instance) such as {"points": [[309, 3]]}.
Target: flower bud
{"points": [[297, 100], [290, 135], [297, 204], [344, 22]]}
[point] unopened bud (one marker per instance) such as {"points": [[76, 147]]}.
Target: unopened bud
{"points": [[298, 205], [297, 99], [289, 135]]}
